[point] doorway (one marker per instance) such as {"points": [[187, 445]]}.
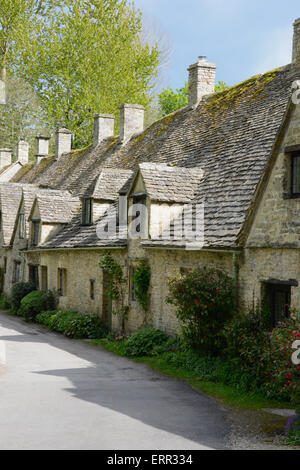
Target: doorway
{"points": [[106, 300]]}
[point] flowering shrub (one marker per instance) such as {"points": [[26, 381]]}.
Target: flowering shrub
{"points": [[247, 340], [205, 300], [282, 376]]}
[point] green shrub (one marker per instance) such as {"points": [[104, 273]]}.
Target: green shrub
{"points": [[205, 300], [43, 317], [73, 324], [19, 291], [5, 302], [36, 302], [144, 341]]}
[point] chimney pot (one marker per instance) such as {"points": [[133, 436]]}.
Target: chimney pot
{"points": [[63, 142], [296, 43], [201, 80], [23, 152], [42, 148], [5, 158], [131, 120], [104, 125]]}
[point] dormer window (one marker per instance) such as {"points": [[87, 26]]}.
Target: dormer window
{"points": [[22, 225], [87, 218], [296, 174], [35, 234]]}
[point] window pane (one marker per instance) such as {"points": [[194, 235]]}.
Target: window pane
{"points": [[296, 175]]}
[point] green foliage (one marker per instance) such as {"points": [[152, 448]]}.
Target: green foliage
{"points": [[144, 341], [170, 100], [73, 324], [5, 302], [19, 291], [205, 301], [88, 56], [115, 272], [117, 286], [293, 431], [36, 302], [141, 279], [265, 355]]}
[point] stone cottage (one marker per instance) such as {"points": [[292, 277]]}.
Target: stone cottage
{"points": [[230, 159]]}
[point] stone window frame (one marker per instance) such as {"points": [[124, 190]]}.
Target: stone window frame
{"points": [[22, 225], [87, 211], [291, 152], [268, 288], [62, 282], [92, 289], [16, 271], [35, 231]]}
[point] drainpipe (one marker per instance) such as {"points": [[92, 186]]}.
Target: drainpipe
{"points": [[235, 277]]}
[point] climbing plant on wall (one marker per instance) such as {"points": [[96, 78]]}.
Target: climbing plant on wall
{"points": [[141, 279], [117, 286]]}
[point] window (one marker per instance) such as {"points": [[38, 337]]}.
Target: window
{"points": [[92, 289], [296, 175], [4, 265], [138, 219], [34, 275], [35, 235], [277, 300], [44, 276], [87, 212], [22, 225], [16, 271], [62, 282]]}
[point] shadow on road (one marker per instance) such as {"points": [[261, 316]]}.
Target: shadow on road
{"points": [[132, 389]]}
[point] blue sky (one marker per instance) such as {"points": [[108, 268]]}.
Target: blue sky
{"points": [[243, 37]]}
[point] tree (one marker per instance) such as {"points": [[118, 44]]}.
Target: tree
{"points": [[87, 56], [16, 18], [170, 100], [22, 117]]}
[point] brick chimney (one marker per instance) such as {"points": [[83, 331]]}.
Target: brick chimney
{"points": [[23, 152], [5, 158], [42, 150], [201, 80], [104, 125], [131, 120], [63, 142], [296, 43]]}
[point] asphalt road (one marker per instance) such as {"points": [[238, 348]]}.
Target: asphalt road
{"points": [[57, 393]]}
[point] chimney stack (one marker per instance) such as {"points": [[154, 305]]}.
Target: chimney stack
{"points": [[23, 152], [131, 120], [296, 43], [201, 80], [104, 125], [63, 142], [5, 158], [42, 148]]}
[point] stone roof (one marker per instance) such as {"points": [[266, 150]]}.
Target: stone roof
{"points": [[110, 182], [55, 206], [76, 235], [10, 199], [170, 184], [229, 135]]}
